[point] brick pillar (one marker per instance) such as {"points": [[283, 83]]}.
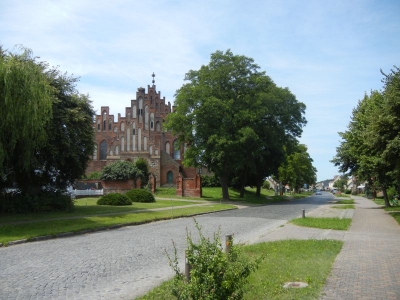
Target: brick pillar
{"points": [[153, 182], [199, 190], [179, 185]]}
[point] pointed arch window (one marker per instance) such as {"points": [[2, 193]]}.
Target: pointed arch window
{"points": [[103, 150], [177, 150], [152, 121]]}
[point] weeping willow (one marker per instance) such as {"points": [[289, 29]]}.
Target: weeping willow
{"points": [[25, 106]]}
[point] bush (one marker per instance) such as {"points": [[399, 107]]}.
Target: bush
{"points": [[121, 170], [210, 181], [266, 185], [44, 201], [114, 199], [348, 192], [214, 274], [140, 195]]}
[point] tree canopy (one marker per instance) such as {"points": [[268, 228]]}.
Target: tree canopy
{"points": [[235, 119], [26, 108], [46, 137], [121, 170], [298, 169], [370, 147]]}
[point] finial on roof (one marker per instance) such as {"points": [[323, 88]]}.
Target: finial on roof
{"points": [[153, 75]]}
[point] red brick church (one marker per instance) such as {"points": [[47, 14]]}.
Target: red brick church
{"points": [[140, 134]]}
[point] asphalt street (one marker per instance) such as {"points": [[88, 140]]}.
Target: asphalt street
{"points": [[127, 262]]}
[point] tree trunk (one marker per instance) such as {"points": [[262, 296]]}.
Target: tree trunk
{"points": [[258, 186], [224, 185], [385, 196], [242, 190], [242, 183]]}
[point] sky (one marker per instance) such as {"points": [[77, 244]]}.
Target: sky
{"points": [[328, 53]]}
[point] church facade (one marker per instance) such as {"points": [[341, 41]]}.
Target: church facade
{"points": [[140, 134]]}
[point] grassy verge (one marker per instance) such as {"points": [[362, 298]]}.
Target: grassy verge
{"points": [[307, 261], [393, 210], [344, 206], [345, 201], [29, 230], [323, 223], [342, 195]]}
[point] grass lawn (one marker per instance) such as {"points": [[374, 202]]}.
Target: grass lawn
{"points": [[323, 223], [308, 261], [87, 207]]}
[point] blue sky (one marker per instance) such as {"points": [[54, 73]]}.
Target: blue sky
{"points": [[328, 53]]}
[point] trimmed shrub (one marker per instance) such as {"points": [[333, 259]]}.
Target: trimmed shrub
{"points": [[348, 192], [140, 195], [114, 199]]}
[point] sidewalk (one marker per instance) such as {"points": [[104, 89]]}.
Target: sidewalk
{"points": [[368, 266]]}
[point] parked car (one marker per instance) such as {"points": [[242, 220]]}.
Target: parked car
{"points": [[318, 192]]}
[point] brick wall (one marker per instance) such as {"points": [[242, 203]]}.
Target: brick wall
{"points": [[189, 187]]}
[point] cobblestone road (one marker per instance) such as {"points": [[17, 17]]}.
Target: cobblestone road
{"points": [[126, 262]]}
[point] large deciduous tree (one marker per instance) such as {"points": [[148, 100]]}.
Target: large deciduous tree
{"points": [[235, 119], [70, 136]]}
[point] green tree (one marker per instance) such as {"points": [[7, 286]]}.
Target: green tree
{"points": [[47, 136], [341, 183], [298, 169], [25, 104], [370, 147], [71, 127], [234, 118], [121, 170]]}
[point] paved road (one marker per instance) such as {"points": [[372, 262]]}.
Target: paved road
{"points": [[126, 262]]}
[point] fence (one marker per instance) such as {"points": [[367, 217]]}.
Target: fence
{"points": [[87, 193]]}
